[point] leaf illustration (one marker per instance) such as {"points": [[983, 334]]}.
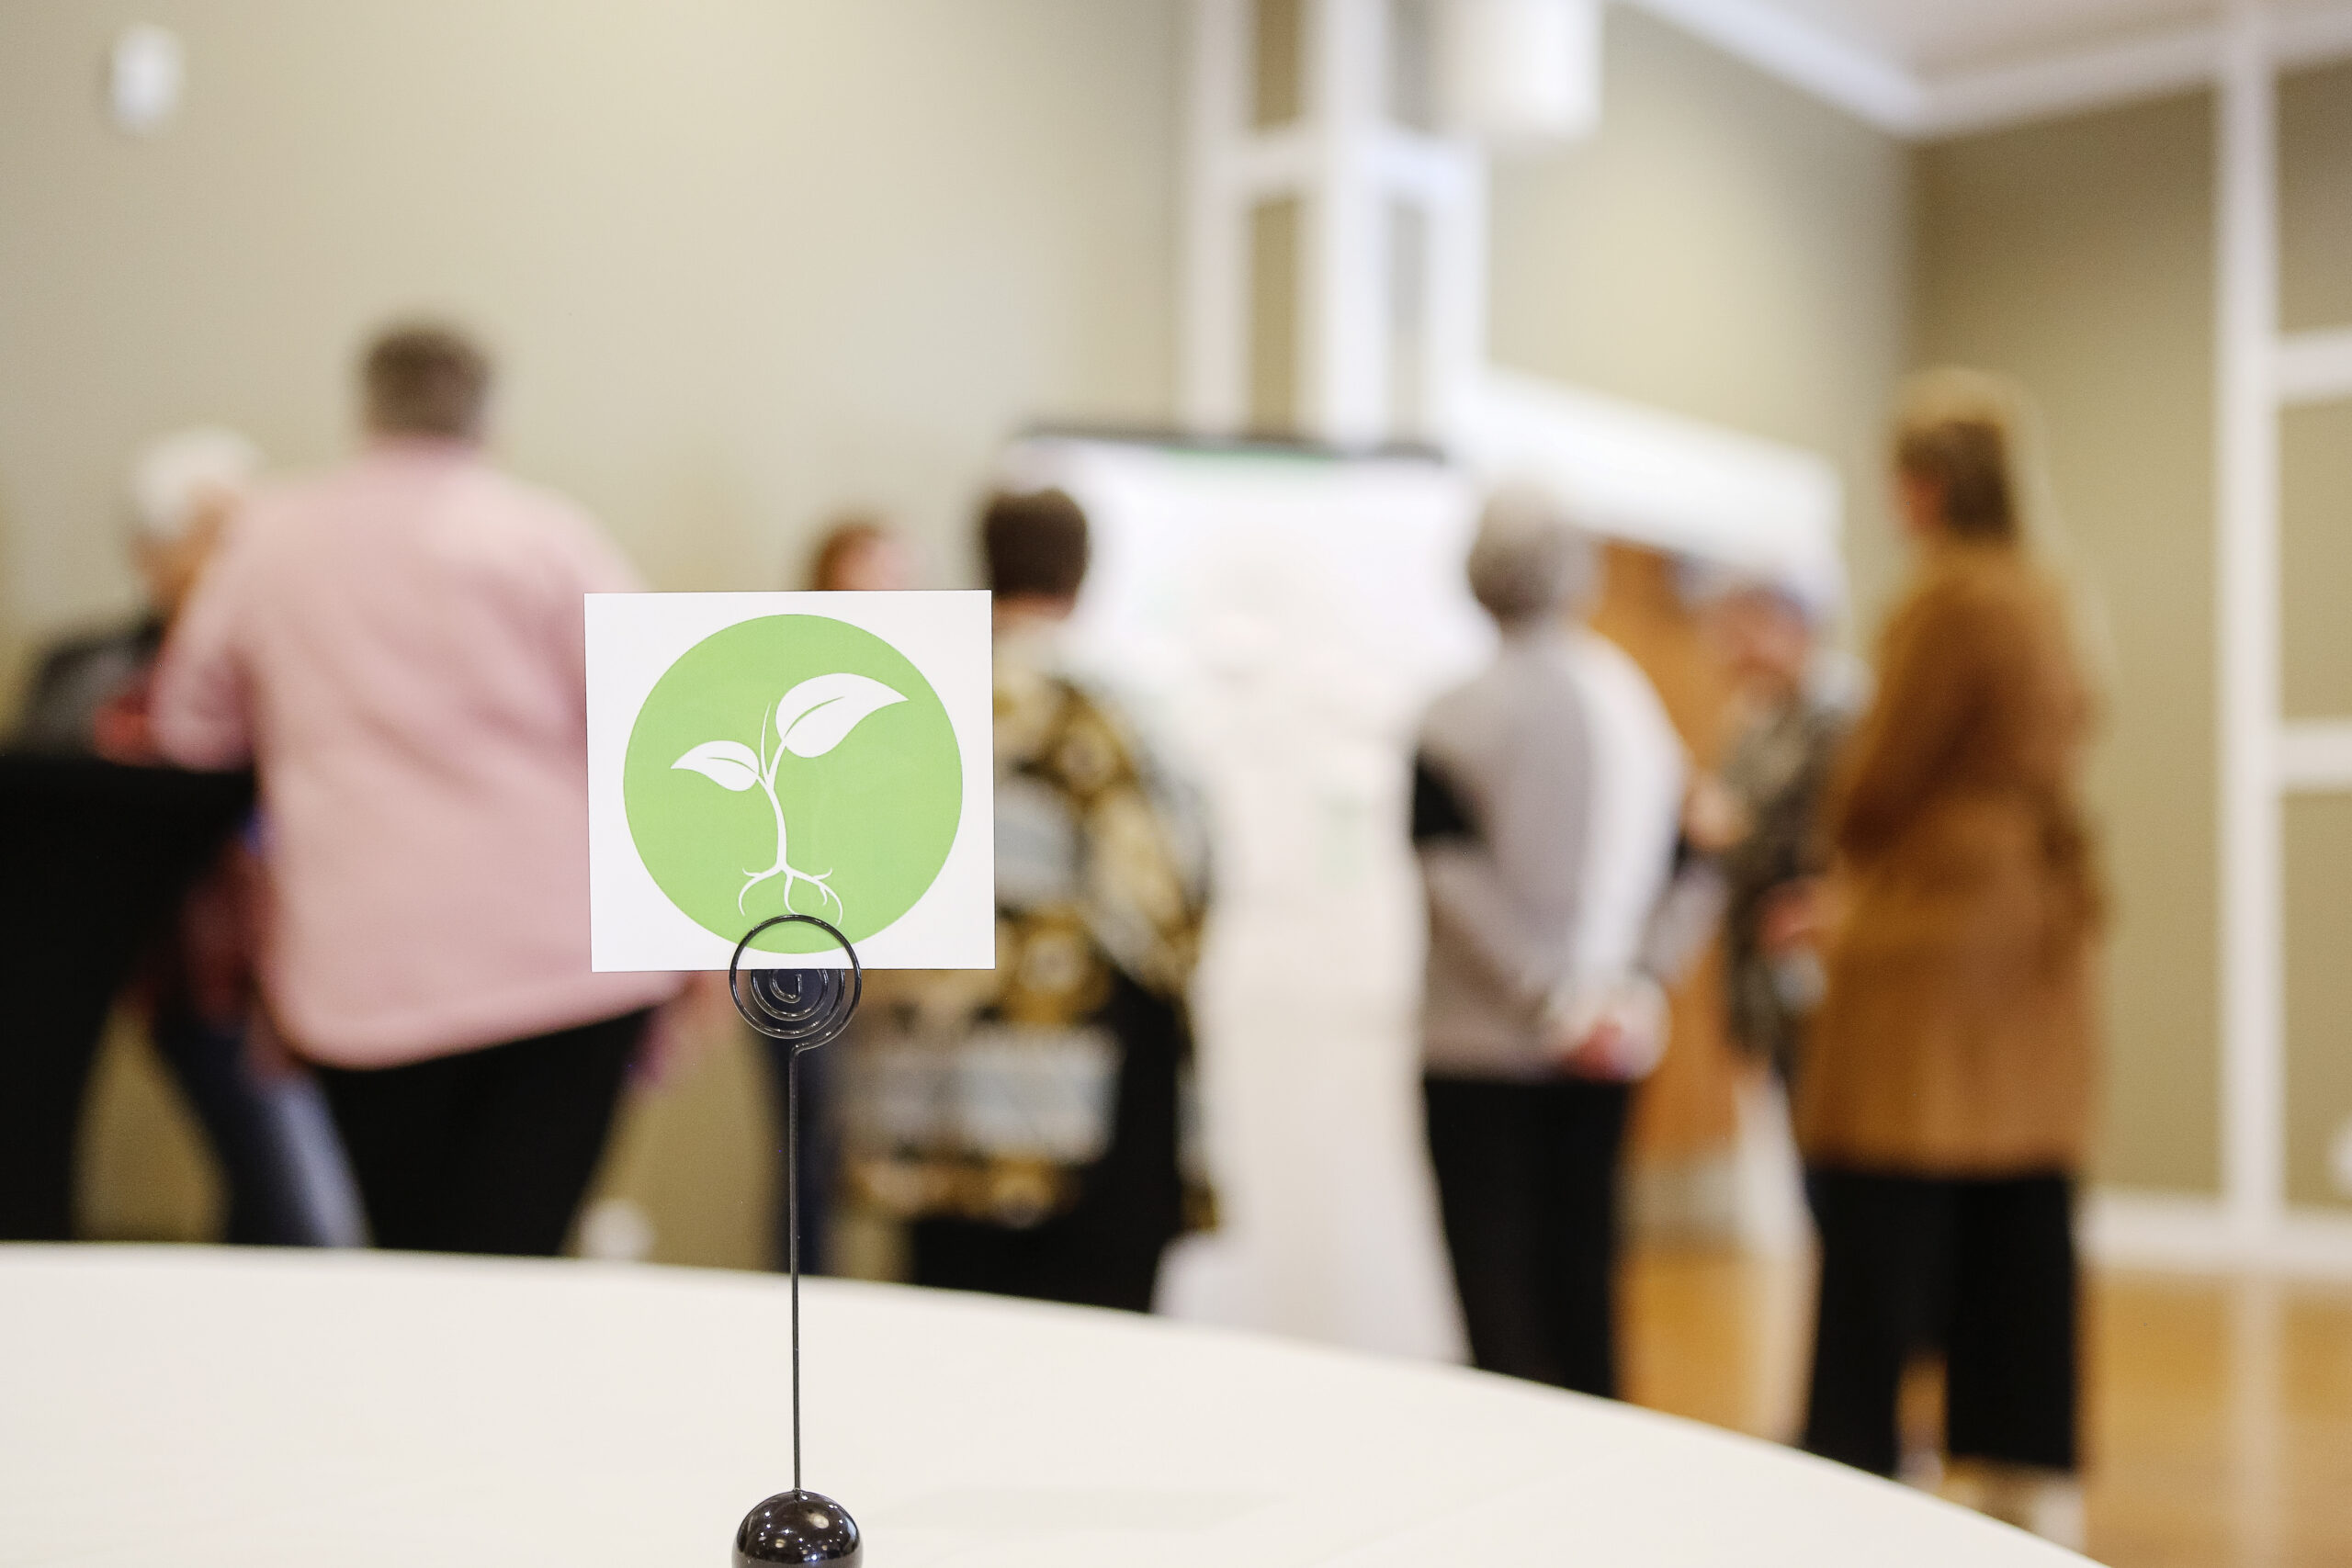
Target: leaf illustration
{"points": [[818, 715], [730, 764]]}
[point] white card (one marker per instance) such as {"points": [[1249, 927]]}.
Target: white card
{"points": [[821, 755]]}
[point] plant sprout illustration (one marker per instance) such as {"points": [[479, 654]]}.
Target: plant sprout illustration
{"points": [[812, 718]]}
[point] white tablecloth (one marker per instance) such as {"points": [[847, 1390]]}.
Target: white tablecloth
{"points": [[189, 1408]]}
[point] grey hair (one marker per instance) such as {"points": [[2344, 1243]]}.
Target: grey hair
{"points": [[174, 477], [1529, 561]]}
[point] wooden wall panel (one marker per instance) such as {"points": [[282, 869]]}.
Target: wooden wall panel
{"points": [[1688, 1109]]}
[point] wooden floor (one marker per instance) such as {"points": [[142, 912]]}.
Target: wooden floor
{"points": [[2219, 1418]]}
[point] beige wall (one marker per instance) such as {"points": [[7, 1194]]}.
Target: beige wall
{"points": [[1726, 247], [747, 260], [2315, 558], [1733, 250], [2078, 256], [2319, 996], [1730, 249], [2315, 551], [2315, 199], [751, 260]]}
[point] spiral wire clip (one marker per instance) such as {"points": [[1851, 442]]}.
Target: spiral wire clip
{"points": [[803, 1008]]}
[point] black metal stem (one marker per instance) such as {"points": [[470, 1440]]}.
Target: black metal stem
{"points": [[792, 1233], [781, 1015]]}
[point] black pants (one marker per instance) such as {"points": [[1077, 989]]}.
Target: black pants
{"points": [[488, 1150], [1527, 1182], [93, 860], [1104, 1250], [1987, 1266]]}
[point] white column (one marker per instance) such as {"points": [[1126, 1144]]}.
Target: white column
{"points": [[1454, 320], [1343, 381], [1214, 335], [2246, 562], [1347, 162]]}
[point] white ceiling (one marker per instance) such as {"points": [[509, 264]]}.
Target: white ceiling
{"points": [[1938, 36]]}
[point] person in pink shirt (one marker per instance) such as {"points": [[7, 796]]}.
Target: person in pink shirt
{"points": [[397, 647]]}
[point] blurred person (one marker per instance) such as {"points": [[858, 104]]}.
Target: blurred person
{"points": [[1547, 793], [1026, 1120], [261, 1114], [1798, 703], [183, 489], [859, 553], [397, 646], [1944, 1101]]}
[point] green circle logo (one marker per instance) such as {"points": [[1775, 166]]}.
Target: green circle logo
{"points": [[793, 764]]}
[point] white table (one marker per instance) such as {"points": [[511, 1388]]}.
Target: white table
{"points": [[188, 1407]]}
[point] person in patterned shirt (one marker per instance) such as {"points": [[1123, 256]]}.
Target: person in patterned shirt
{"points": [[1026, 1121]]}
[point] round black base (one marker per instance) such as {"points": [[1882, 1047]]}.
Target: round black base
{"points": [[798, 1527]]}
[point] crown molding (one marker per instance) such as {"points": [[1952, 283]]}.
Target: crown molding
{"points": [[1806, 57], [2080, 80], [1926, 106], [1990, 97]]}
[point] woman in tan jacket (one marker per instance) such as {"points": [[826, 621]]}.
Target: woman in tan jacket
{"points": [[1944, 1103]]}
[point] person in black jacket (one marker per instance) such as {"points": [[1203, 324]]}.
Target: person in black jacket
{"points": [[261, 1114], [1800, 701]]}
